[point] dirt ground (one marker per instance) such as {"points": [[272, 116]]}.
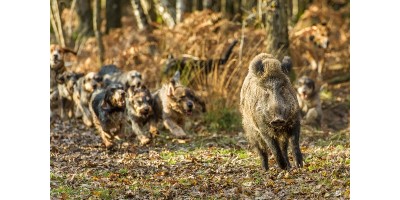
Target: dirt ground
{"points": [[215, 162]]}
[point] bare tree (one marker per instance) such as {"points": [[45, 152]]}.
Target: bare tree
{"points": [[113, 14], [180, 10], [277, 27], [163, 12], [85, 16], [207, 4], [139, 15], [55, 20], [96, 27]]}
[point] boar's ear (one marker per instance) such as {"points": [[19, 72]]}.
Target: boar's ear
{"points": [[286, 65], [258, 68]]}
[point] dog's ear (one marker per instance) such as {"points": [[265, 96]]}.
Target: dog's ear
{"points": [[79, 75], [107, 97], [171, 88], [60, 79], [105, 105], [66, 50], [311, 38], [98, 78]]}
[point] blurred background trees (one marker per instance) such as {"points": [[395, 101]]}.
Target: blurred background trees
{"points": [[275, 16]]}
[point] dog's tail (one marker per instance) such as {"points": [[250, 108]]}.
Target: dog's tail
{"points": [[228, 52]]}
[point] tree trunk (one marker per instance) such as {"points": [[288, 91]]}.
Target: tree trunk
{"points": [[230, 10], [207, 4], [149, 10], [96, 27], [236, 6], [57, 18], [189, 5], [85, 16], [277, 28], [180, 10], [198, 4], [165, 15], [289, 9], [139, 15], [113, 14]]}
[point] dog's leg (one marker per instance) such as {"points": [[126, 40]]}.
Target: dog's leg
{"points": [[86, 115], [139, 133], [109, 144], [320, 68], [153, 128], [174, 128], [62, 108]]}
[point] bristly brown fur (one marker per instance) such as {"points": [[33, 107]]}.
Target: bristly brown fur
{"points": [[271, 115]]}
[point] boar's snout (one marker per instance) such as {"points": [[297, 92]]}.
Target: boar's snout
{"points": [[277, 122]]}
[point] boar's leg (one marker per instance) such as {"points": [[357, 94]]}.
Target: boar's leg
{"points": [[262, 151], [276, 151], [295, 146], [284, 147]]}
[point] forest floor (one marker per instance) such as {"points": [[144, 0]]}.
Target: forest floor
{"points": [[216, 161]]}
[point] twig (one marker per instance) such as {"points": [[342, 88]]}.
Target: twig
{"points": [[70, 20], [53, 24], [59, 24]]}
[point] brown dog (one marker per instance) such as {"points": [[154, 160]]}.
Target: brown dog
{"points": [[66, 82], [83, 91], [173, 104], [56, 68], [107, 107], [139, 107]]}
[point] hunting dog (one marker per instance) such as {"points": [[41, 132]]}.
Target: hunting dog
{"points": [[57, 65], [56, 68], [139, 107], [173, 103], [314, 42], [83, 90], [309, 101], [192, 65], [66, 82], [107, 107], [111, 74]]}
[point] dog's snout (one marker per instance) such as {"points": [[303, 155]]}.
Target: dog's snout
{"points": [[190, 105], [55, 56], [278, 122], [123, 93]]}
